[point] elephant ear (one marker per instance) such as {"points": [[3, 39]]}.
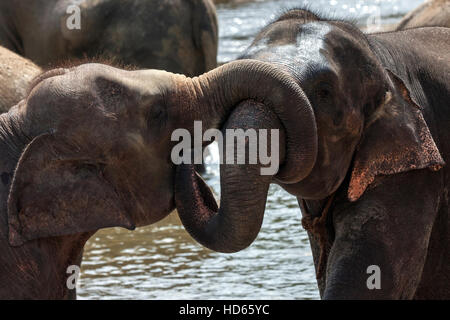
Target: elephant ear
{"points": [[396, 139], [57, 190]]}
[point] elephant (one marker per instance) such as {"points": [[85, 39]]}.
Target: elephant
{"points": [[16, 73], [180, 36], [369, 169], [89, 147], [434, 13]]}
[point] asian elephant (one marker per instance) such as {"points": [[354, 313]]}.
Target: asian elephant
{"points": [[370, 169], [90, 147], [16, 74], [174, 35], [433, 13]]}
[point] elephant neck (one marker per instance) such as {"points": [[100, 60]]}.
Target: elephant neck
{"points": [[44, 262]]}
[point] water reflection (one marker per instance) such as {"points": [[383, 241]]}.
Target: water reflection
{"points": [[163, 262]]}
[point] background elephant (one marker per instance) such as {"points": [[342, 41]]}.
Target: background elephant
{"points": [[433, 13], [16, 73], [177, 35], [368, 169]]}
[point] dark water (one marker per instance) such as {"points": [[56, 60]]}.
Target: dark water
{"points": [[162, 262]]}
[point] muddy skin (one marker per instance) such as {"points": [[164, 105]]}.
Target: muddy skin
{"points": [[380, 106], [178, 36], [16, 74]]}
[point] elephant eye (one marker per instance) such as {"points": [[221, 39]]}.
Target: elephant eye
{"points": [[157, 113], [323, 92]]}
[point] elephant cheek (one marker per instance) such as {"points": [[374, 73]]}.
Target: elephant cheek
{"points": [[148, 198], [354, 123], [152, 210]]}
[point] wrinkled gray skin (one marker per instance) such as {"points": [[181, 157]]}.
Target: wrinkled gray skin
{"points": [[16, 74], [381, 121], [434, 13], [174, 35], [90, 148]]}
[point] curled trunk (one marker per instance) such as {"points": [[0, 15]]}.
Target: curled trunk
{"points": [[244, 190], [212, 98]]}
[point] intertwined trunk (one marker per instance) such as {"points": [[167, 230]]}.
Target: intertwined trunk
{"points": [[212, 98]]}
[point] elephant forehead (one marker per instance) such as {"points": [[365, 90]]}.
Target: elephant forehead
{"points": [[89, 83], [295, 47], [300, 54], [107, 80], [311, 41], [75, 93], [86, 74], [72, 82]]}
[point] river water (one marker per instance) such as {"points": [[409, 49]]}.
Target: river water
{"points": [[162, 262]]}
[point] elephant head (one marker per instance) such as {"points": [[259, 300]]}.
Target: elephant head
{"points": [[95, 141], [364, 124]]}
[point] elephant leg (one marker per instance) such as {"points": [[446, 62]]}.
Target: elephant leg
{"points": [[436, 274], [389, 227]]}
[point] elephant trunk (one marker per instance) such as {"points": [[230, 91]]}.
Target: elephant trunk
{"points": [[244, 189], [212, 98]]}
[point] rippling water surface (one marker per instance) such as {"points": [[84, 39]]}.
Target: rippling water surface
{"points": [[162, 262]]}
